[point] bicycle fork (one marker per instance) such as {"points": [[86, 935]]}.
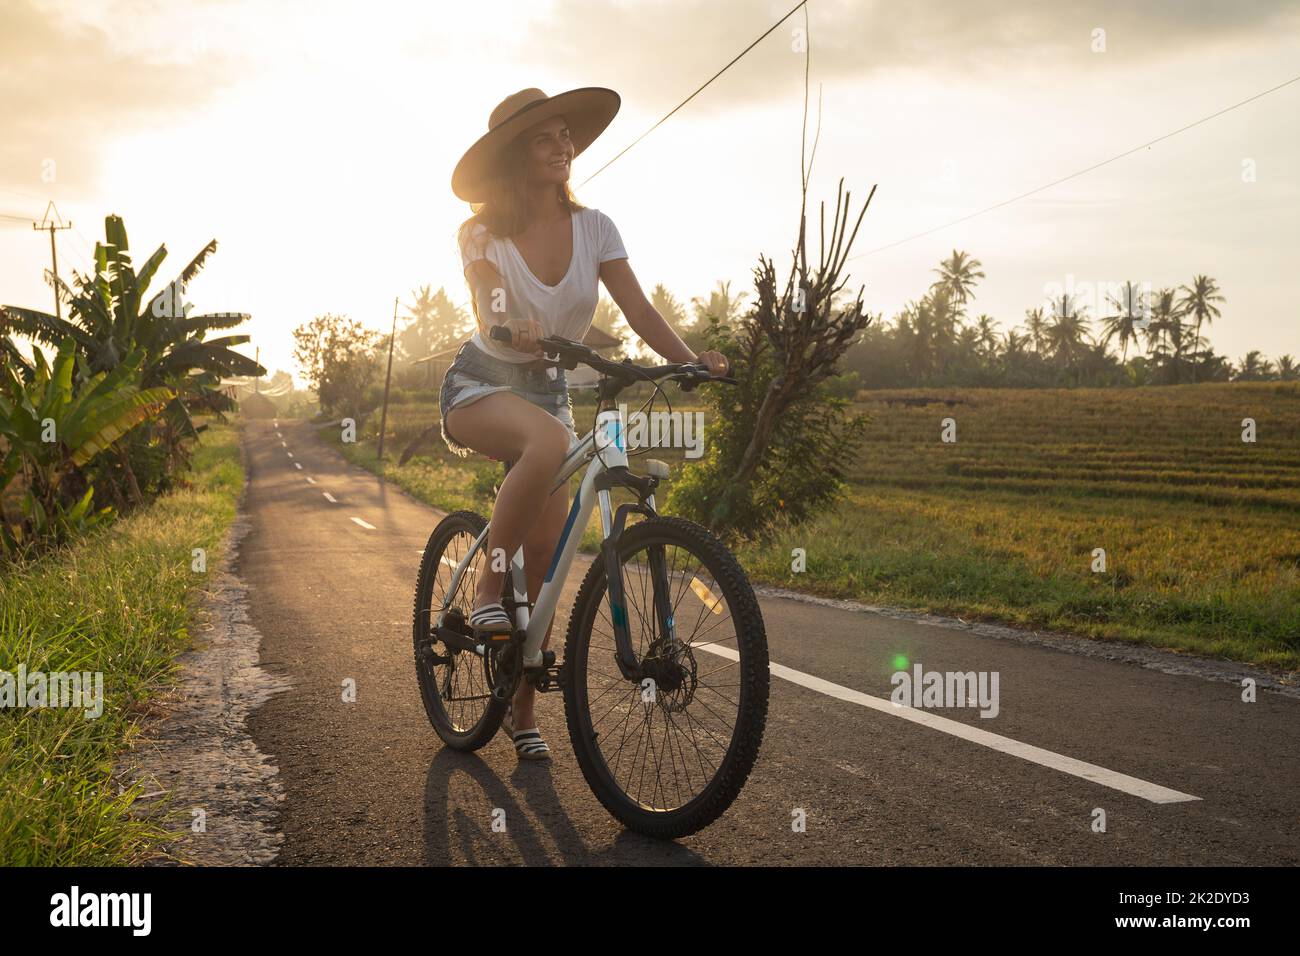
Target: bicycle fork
{"points": [[612, 526]]}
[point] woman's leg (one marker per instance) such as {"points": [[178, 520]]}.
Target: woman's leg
{"points": [[539, 547], [505, 426]]}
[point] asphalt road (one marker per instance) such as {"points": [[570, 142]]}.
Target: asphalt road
{"points": [[1185, 771]]}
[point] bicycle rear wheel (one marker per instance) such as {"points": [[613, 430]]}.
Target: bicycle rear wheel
{"points": [[455, 684], [667, 755]]}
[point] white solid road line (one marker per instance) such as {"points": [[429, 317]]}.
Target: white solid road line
{"points": [[330, 498], [365, 524], [1046, 758]]}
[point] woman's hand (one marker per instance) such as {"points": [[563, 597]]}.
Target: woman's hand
{"points": [[524, 334], [716, 362]]}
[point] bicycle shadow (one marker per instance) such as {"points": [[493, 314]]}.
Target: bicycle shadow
{"points": [[468, 806]]}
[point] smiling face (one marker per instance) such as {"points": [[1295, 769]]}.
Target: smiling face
{"points": [[548, 151]]}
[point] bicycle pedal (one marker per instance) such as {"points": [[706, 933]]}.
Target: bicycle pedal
{"points": [[547, 676]]}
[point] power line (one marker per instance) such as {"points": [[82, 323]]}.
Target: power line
{"points": [[696, 93], [70, 249], [1104, 162]]}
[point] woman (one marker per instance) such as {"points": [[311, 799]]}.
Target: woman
{"points": [[532, 259]]}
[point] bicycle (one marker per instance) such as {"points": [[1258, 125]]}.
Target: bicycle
{"points": [[656, 579]]}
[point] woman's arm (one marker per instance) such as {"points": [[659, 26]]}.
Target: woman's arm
{"points": [[643, 317], [492, 307], [646, 321]]}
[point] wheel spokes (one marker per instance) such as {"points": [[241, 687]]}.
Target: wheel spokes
{"points": [[461, 682], [664, 742]]}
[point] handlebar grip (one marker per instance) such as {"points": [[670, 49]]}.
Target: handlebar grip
{"points": [[501, 334]]}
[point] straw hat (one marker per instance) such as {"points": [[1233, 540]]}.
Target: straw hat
{"points": [[588, 110]]}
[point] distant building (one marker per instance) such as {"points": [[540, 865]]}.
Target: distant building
{"points": [[256, 400]]}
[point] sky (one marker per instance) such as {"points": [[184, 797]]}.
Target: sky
{"points": [[315, 141]]}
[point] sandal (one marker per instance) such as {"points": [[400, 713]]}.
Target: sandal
{"points": [[491, 620], [529, 744]]}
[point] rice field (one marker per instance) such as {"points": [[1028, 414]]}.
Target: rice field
{"points": [[1200, 530]]}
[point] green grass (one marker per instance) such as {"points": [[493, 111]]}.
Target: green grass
{"points": [[1201, 530], [117, 602]]}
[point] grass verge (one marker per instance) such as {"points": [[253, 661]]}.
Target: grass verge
{"points": [[117, 603]]}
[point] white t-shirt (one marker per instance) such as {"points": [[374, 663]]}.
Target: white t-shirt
{"points": [[565, 310]]}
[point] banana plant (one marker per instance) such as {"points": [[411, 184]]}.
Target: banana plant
{"points": [[107, 321], [54, 424]]}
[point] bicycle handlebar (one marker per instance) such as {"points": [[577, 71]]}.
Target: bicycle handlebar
{"points": [[688, 374]]}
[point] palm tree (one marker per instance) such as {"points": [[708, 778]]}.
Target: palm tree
{"points": [[915, 331], [1067, 336], [666, 304], [1287, 370], [1254, 367], [957, 274], [1166, 323], [1036, 328], [941, 314], [1198, 300], [1130, 309], [435, 324], [720, 305], [988, 336]]}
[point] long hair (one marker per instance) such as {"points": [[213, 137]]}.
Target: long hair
{"points": [[505, 212]]}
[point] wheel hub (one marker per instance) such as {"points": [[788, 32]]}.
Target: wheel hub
{"points": [[672, 667]]}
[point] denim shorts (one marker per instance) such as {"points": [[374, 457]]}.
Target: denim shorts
{"points": [[474, 374]]}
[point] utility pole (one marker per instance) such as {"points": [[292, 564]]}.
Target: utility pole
{"points": [[383, 419], [257, 360], [54, 253]]}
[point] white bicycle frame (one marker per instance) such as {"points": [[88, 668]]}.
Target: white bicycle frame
{"points": [[600, 449]]}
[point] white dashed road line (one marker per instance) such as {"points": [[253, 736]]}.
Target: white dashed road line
{"points": [[365, 524], [330, 498], [1046, 758], [298, 466], [310, 479]]}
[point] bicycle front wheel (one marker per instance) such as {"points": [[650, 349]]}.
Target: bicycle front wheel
{"points": [[667, 754]]}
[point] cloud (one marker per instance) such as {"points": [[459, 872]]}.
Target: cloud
{"points": [[67, 85], [658, 53]]}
